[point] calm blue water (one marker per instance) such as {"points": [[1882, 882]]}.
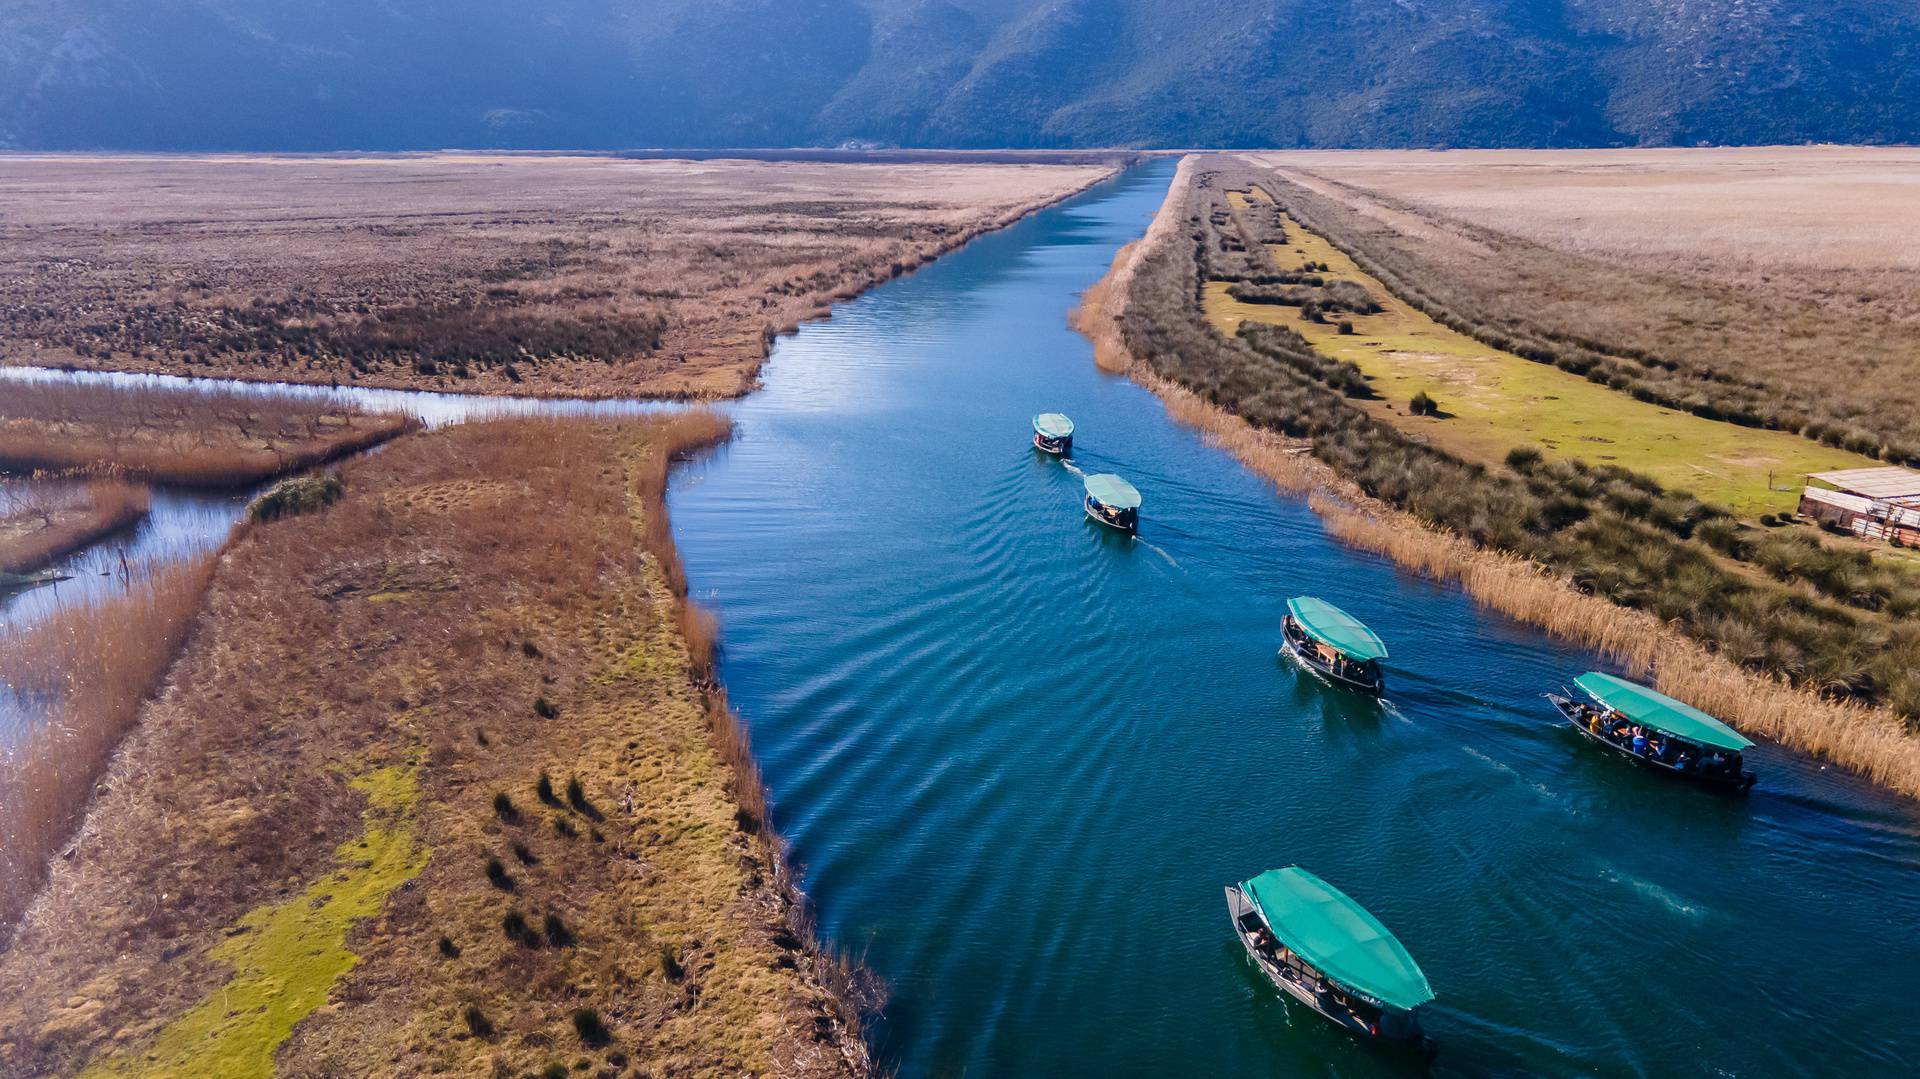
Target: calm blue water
{"points": [[1019, 756]]}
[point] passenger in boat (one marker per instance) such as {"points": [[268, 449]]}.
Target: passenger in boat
{"points": [[1639, 741]]}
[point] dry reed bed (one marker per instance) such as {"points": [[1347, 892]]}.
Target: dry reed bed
{"points": [[1871, 741], [41, 526], [196, 438], [511, 274], [487, 604], [80, 676]]}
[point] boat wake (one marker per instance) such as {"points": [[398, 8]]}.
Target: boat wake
{"points": [[1162, 552], [1071, 467]]}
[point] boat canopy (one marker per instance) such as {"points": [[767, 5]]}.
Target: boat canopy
{"points": [[1336, 628], [1338, 937], [1113, 492], [1053, 425], [1651, 708]]}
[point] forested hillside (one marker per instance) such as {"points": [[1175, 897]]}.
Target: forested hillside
{"points": [[399, 74]]}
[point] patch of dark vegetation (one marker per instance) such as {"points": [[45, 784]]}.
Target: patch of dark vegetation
{"points": [[591, 1028], [477, 1022], [1607, 530], [300, 494], [504, 808]]}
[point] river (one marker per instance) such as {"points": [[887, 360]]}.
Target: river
{"points": [[1019, 755]]}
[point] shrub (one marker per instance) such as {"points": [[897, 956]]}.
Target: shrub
{"points": [[544, 788], [530, 650], [504, 808], [670, 967], [1346, 328], [292, 497], [497, 874], [577, 795], [514, 925], [1524, 458], [477, 1022], [448, 948], [1423, 405], [525, 856], [544, 709], [558, 934], [587, 1024], [563, 826]]}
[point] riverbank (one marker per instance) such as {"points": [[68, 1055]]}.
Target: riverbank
{"points": [[532, 275], [1871, 741], [37, 528], [458, 797]]}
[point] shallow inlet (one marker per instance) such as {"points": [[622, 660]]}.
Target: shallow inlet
{"points": [[1020, 754]]}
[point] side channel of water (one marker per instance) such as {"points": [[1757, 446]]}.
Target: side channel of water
{"points": [[1020, 755]]}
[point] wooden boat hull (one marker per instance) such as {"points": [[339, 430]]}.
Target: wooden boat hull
{"points": [[1239, 908], [1298, 648], [1725, 783], [1130, 526], [1059, 447]]}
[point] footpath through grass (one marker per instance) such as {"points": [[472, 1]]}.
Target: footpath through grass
{"points": [[1491, 401]]}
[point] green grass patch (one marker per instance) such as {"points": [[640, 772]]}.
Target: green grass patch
{"points": [[1496, 400], [287, 957]]}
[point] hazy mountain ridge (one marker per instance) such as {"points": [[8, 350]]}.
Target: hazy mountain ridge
{"points": [[381, 74]]}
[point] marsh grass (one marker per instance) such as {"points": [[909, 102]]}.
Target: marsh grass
{"points": [[81, 676], [191, 438], [40, 528]]}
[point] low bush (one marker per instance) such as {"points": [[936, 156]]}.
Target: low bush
{"points": [[301, 494]]}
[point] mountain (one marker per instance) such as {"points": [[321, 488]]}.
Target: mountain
{"points": [[407, 74]]}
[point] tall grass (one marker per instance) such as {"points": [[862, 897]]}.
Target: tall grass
{"points": [[188, 437], [96, 509], [81, 675]]}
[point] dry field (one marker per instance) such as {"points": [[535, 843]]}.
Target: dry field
{"points": [[438, 786], [523, 274], [204, 439], [1782, 283]]}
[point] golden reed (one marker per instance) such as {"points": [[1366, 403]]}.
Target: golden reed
{"points": [[1871, 741], [82, 674]]}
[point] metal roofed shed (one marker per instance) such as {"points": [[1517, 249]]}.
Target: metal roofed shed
{"points": [[1881, 503], [1888, 483]]}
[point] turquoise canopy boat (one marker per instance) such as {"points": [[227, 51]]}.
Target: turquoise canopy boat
{"points": [[1113, 502], [1328, 952], [1655, 730], [1333, 643], [1053, 433]]}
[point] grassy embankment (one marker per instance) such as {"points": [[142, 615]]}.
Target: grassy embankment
{"points": [[460, 798], [191, 438], [528, 274], [1493, 401], [1599, 556], [39, 524]]}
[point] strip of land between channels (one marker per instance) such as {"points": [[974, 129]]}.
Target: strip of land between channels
{"points": [[1873, 742]]}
